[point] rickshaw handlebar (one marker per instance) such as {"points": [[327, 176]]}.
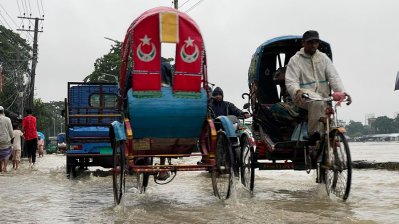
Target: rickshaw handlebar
{"points": [[326, 99]]}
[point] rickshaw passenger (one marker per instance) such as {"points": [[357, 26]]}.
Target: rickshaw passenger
{"points": [[166, 75], [166, 72], [311, 71], [219, 107]]}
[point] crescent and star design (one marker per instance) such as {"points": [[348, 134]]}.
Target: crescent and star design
{"points": [[189, 58], [147, 57]]}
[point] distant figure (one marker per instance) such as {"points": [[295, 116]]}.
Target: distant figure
{"points": [[16, 147], [6, 136], [219, 107], [30, 135], [40, 146], [166, 72]]}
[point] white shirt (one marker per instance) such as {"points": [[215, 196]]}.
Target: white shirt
{"points": [[17, 139], [5, 132], [313, 72]]}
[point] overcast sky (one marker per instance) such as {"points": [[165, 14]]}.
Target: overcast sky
{"points": [[363, 34]]}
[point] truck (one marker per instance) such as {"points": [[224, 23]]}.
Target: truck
{"points": [[89, 110]]}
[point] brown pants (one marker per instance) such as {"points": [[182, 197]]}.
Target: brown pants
{"points": [[316, 110]]}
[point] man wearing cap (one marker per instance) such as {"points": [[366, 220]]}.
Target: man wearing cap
{"points": [[311, 71], [218, 107], [6, 136]]}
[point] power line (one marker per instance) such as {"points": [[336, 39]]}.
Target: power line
{"points": [[34, 60], [8, 15], [19, 9], [5, 20], [9, 37], [184, 3], [195, 5], [30, 9], [25, 8], [38, 7], [41, 3]]}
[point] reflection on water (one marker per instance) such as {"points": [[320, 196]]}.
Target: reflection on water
{"points": [[47, 196]]}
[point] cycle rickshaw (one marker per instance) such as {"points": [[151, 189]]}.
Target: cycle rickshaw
{"points": [[280, 130], [164, 122]]}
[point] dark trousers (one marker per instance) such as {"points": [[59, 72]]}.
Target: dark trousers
{"points": [[31, 147]]}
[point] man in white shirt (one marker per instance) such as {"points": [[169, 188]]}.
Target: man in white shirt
{"points": [[311, 71], [5, 140]]}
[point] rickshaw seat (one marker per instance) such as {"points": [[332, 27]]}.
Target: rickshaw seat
{"points": [[278, 128], [167, 116]]}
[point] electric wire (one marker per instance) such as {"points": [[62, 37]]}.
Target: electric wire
{"points": [[24, 8], [30, 9], [19, 9], [1, 15], [183, 4], [194, 6], [38, 7], [12, 20], [12, 103], [11, 38], [13, 79], [41, 3]]}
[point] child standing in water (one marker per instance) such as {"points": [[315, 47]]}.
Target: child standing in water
{"points": [[40, 146], [16, 156]]}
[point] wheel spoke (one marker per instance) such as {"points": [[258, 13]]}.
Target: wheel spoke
{"points": [[339, 168], [247, 169], [222, 173], [118, 171]]}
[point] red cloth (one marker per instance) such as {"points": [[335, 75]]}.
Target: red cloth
{"points": [[189, 53], [29, 126], [147, 55], [189, 49], [339, 97]]}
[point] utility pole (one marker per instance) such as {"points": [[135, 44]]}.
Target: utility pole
{"points": [[176, 3], [20, 86], [31, 89]]}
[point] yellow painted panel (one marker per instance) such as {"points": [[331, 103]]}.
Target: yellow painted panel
{"points": [[169, 27]]}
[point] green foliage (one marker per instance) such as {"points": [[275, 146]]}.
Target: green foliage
{"points": [[106, 68], [355, 129], [385, 125], [396, 121], [48, 117], [14, 63]]}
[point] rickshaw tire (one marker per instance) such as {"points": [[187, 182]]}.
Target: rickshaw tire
{"points": [[331, 187], [244, 144], [118, 187], [224, 141]]}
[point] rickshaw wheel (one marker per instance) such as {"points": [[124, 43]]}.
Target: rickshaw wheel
{"points": [[222, 173], [143, 178], [247, 166], [338, 172], [118, 171]]}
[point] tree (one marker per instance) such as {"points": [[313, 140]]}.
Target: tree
{"points": [[14, 66], [397, 122], [355, 129], [106, 68], [49, 119], [385, 125]]}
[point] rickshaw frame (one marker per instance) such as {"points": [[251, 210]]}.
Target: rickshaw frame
{"points": [[294, 152], [135, 145]]}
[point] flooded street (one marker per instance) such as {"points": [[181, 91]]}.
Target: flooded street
{"points": [[47, 196]]}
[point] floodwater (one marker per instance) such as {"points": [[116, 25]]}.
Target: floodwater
{"points": [[47, 196]]}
